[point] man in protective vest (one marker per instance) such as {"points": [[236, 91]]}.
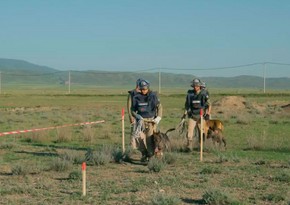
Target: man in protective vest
{"points": [[131, 94], [147, 110], [196, 100]]}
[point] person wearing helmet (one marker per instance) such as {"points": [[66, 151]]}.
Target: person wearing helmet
{"points": [[131, 94], [147, 110], [206, 93], [196, 100]]}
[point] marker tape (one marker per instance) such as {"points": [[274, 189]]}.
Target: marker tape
{"points": [[49, 128]]}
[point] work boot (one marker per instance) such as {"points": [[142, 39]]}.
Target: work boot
{"points": [[144, 158], [189, 146]]}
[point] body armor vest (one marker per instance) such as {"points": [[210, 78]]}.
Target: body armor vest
{"points": [[145, 105], [195, 102]]}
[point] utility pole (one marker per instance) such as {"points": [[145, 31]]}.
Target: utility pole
{"points": [[264, 76], [159, 82], [69, 82], [0, 83]]}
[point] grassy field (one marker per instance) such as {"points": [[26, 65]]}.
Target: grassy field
{"points": [[44, 167]]}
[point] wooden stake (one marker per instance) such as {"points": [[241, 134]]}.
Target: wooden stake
{"points": [[201, 135], [123, 131], [84, 178]]}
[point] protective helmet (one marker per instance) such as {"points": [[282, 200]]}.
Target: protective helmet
{"points": [[138, 81], [143, 84], [203, 85], [195, 82]]}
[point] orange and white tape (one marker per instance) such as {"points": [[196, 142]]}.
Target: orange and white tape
{"points": [[49, 128]]}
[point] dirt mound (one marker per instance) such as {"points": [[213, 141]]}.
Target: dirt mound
{"points": [[286, 107], [229, 103]]}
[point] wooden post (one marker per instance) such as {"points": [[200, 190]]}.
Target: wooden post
{"points": [[123, 131], [201, 134], [84, 178]]}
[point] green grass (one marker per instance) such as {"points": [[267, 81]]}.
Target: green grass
{"points": [[45, 166]]}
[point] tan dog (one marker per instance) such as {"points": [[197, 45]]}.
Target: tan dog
{"points": [[214, 130], [215, 124]]}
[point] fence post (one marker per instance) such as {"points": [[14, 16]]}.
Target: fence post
{"points": [[123, 130], [201, 135]]}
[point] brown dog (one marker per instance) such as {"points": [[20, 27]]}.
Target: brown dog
{"points": [[161, 142], [215, 124], [215, 130]]}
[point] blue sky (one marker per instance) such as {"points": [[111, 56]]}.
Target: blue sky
{"points": [[127, 35]]}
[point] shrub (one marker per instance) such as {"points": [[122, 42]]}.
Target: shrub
{"points": [[75, 175], [162, 199], [99, 157], [221, 158], [73, 156], [210, 170], [117, 155], [19, 170], [155, 165], [216, 197], [282, 177], [169, 158], [6, 145], [273, 198], [63, 135], [59, 165]]}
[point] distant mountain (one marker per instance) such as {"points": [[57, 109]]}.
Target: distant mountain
{"points": [[23, 73], [19, 66]]}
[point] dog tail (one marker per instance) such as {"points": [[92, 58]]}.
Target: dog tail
{"points": [[170, 130]]}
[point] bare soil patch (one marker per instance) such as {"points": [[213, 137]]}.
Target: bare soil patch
{"points": [[229, 104], [286, 107]]}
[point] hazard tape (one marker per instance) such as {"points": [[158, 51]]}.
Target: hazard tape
{"points": [[49, 128]]}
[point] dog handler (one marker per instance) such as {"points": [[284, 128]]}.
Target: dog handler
{"points": [[147, 110], [196, 99], [132, 120]]}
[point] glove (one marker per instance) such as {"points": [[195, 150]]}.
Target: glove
{"points": [[157, 120], [183, 116], [132, 120], [139, 117], [206, 116]]}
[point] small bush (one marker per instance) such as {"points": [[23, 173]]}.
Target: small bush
{"points": [[216, 197], [282, 177], [75, 175], [99, 157], [19, 170], [221, 158], [273, 198], [169, 158], [63, 135], [88, 134], [162, 199], [59, 165], [210, 170], [73, 156], [155, 165], [8, 146], [117, 155]]}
